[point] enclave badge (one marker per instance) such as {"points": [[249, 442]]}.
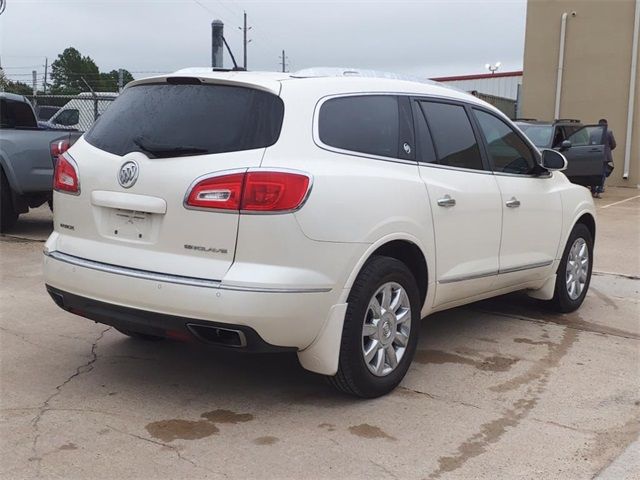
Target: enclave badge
{"points": [[128, 174]]}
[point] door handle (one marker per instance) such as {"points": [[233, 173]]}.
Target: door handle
{"points": [[513, 203], [446, 201]]}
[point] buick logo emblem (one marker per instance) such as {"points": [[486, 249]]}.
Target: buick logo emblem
{"points": [[128, 174]]}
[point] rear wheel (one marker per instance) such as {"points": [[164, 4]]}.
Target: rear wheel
{"points": [[574, 272], [139, 336], [8, 215], [380, 330]]}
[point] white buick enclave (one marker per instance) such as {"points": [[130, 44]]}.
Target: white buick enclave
{"points": [[324, 214]]}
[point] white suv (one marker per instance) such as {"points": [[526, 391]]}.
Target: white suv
{"points": [[324, 215]]}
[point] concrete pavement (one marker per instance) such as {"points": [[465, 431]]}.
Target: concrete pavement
{"points": [[499, 389]]}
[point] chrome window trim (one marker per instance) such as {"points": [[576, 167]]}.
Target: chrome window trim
{"points": [[168, 278], [494, 273], [354, 153]]}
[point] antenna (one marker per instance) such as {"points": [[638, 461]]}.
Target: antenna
{"points": [[233, 59]]}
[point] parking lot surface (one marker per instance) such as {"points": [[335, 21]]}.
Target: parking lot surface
{"points": [[498, 389]]}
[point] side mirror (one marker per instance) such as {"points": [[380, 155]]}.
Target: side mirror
{"points": [[565, 145], [553, 160]]}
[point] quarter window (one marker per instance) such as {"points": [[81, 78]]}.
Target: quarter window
{"points": [[455, 143], [508, 152], [367, 124]]}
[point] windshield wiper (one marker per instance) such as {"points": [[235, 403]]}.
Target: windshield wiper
{"points": [[162, 150]]}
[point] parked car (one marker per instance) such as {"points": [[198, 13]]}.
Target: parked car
{"points": [[27, 156], [322, 215], [81, 112], [582, 145]]}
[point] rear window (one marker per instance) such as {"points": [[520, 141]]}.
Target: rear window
{"points": [[166, 120], [367, 124], [16, 115]]}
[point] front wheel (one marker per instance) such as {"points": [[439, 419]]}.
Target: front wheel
{"points": [[574, 272], [380, 330]]}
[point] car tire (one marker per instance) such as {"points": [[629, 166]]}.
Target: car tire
{"points": [[8, 215], [139, 336], [358, 375], [574, 275]]}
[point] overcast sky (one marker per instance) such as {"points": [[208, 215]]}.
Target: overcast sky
{"points": [[420, 37]]}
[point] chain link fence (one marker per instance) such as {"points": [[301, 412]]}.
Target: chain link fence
{"points": [[75, 112]]}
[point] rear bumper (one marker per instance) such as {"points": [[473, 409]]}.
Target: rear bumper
{"points": [[159, 304], [162, 325]]}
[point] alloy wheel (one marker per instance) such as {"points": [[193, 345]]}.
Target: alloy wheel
{"points": [[386, 328]]}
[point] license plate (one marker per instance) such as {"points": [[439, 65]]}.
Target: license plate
{"points": [[131, 225]]}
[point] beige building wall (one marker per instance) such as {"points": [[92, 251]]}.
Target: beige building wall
{"points": [[596, 72]]}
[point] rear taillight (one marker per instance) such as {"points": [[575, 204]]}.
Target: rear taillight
{"points": [[65, 176], [263, 191], [222, 192], [58, 147]]}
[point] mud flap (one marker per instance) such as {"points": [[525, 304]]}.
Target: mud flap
{"points": [[323, 354]]}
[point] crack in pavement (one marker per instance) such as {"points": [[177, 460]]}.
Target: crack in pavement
{"points": [[44, 408], [173, 448], [492, 432]]}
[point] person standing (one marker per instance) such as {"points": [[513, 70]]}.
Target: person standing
{"points": [[609, 145]]}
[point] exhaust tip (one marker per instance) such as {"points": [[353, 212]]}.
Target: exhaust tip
{"points": [[219, 336]]}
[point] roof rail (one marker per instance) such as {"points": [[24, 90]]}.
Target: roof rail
{"points": [[568, 120], [316, 72]]}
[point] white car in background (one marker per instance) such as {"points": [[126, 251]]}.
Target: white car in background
{"points": [[81, 112], [321, 214]]}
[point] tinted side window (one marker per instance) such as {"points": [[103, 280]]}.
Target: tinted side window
{"points": [[508, 152], [67, 117], [455, 143], [426, 153], [367, 124], [589, 135]]}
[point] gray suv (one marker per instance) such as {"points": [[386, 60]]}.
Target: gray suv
{"points": [[582, 145]]}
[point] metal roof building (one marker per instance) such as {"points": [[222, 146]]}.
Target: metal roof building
{"points": [[499, 84]]}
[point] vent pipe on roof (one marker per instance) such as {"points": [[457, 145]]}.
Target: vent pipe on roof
{"points": [[217, 43], [632, 92]]}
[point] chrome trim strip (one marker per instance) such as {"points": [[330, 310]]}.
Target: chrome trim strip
{"points": [[526, 267], [167, 278], [468, 277], [494, 273]]}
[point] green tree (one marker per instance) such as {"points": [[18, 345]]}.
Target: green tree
{"points": [[8, 86], [109, 81], [68, 70]]}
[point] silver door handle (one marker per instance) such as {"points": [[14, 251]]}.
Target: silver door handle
{"points": [[513, 203], [446, 201]]}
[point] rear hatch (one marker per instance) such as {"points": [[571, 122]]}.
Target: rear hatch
{"points": [[138, 162]]}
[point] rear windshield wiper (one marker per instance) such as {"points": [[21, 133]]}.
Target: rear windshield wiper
{"points": [[163, 150]]}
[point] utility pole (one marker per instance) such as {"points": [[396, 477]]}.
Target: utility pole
{"points": [[120, 79], [46, 67], [284, 62], [34, 76], [245, 29]]}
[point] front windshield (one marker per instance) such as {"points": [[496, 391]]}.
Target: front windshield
{"points": [[540, 135]]}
